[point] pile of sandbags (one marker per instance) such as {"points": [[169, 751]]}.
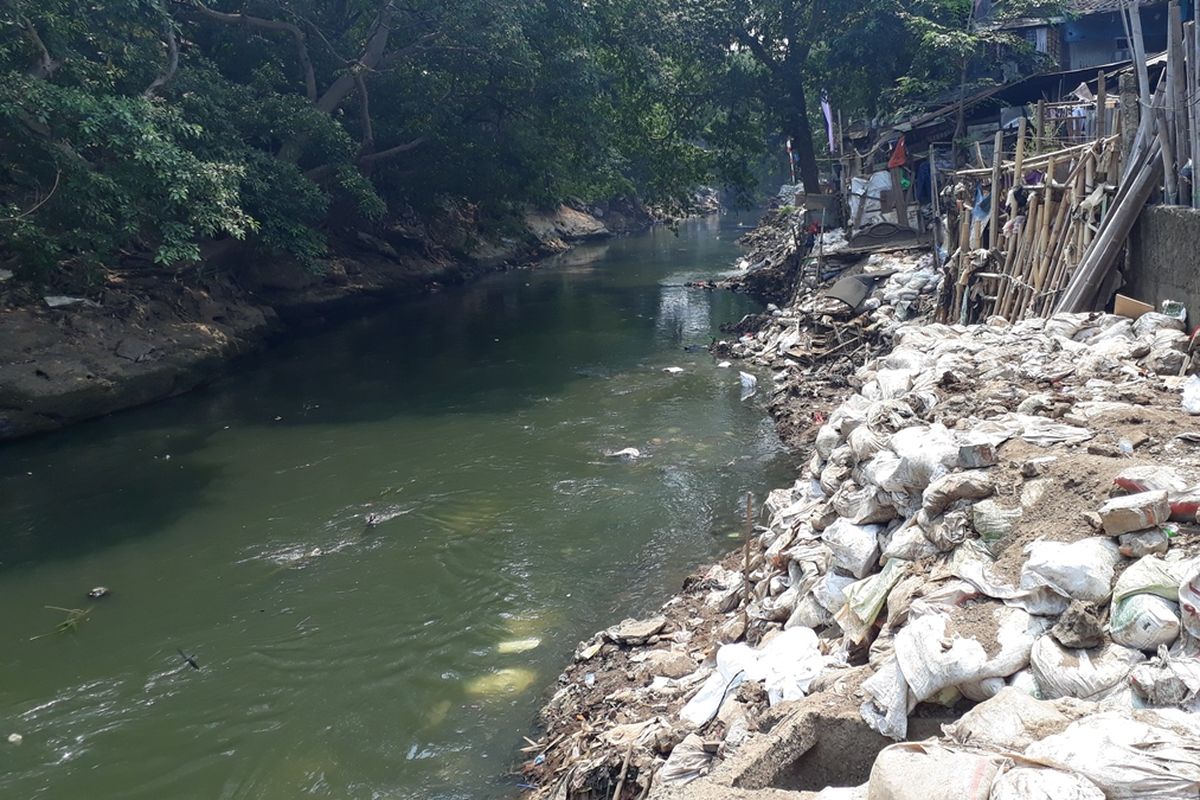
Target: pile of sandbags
{"points": [[886, 547]]}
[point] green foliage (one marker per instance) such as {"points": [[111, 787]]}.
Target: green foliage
{"points": [[141, 130]]}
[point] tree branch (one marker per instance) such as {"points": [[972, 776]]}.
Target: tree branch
{"points": [[391, 152], [372, 54], [760, 52], [46, 65], [364, 113], [39, 203], [172, 60], [310, 77]]}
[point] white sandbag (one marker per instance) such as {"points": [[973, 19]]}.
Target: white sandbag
{"points": [[974, 484], [1080, 570], [855, 547], [972, 562], [1127, 759], [830, 590], [926, 452], [909, 542], [862, 504], [930, 771], [889, 384], [1145, 621], [689, 760], [1025, 682], [1012, 720], [881, 471], [828, 438], [983, 689], [865, 442], [808, 614], [1030, 783], [865, 599], [1167, 681], [1189, 600], [1086, 674], [1151, 322], [1151, 575], [994, 522], [888, 701], [931, 661], [786, 665]]}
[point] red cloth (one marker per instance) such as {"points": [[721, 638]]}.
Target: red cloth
{"points": [[899, 155]]}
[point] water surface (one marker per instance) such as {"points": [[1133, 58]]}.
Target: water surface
{"points": [[403, 659]]}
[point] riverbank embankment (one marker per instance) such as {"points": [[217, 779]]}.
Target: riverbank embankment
{"points": [[146, 334], [993, 551]]}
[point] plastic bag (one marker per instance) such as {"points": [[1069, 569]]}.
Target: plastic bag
{"points": [[1127, 759], [1080, 570], [1029, 783], [930, 771], [1086, 674]]}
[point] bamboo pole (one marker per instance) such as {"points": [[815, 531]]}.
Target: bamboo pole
{"points": [[1180, 139], [994, 222], [1143, 173], [1016, 275], [1101, 126], [1036, 162], [1193, 83]]}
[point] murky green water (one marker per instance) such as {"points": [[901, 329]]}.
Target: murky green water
{"points": [[340, 660]]}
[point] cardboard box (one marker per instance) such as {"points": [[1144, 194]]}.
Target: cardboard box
{"points": [[1128, 307]]}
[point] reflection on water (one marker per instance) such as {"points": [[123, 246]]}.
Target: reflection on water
{"points": [[380, 543]]}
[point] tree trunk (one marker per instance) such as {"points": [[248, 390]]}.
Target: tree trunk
{"points": [[801, 135]]}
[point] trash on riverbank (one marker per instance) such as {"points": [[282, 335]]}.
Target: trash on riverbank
{"points": [[984, 513]]}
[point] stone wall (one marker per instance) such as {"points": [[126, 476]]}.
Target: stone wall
{"points": [[1164, 256]]}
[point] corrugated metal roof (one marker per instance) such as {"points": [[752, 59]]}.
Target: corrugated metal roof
{"points": [[1103, 6]]}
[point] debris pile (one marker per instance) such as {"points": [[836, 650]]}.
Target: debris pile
{"points": [[998, 512], [815, 344]]}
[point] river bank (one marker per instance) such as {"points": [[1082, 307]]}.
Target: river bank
{"points": [[976, 542], [144, 335]]}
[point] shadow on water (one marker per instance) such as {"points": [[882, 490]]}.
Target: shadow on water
{"points": [[494, 346]]}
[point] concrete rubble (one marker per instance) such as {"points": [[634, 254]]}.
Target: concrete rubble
{"points": [[993, 549]]}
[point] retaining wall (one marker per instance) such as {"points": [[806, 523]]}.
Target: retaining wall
{"points": [[1164, 258]]}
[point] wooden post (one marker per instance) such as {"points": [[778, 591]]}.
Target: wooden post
{"points": [[746, 551], [1018, 164], [1130, 115], [1040, 129], [1100, 129], [1177, 99], [994, 222], [937, 217]]}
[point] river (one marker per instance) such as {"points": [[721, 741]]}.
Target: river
{"points": [[380, 543]]}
